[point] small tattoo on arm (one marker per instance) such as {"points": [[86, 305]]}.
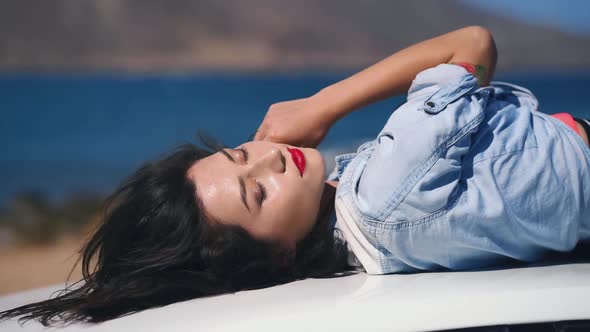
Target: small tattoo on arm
{"points": [[478, 71], [481, 74]]}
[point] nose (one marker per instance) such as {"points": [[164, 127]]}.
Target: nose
{"points": [[271, 161]]}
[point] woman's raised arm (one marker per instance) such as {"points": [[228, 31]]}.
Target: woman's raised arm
{"points": [[313, 116]]}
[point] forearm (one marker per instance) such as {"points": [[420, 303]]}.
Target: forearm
{"points": [[393, 75]]}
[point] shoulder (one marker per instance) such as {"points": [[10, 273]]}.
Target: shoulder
{"points": [[430, 80]]}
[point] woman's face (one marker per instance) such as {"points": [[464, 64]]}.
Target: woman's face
{"points": [[229, 185]]}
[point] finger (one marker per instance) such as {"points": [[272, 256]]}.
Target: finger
{"points": [[259, 135], [268, 138], [251, 137]]}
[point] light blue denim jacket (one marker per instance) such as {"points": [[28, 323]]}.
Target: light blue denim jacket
{"points": [[463, 177]]}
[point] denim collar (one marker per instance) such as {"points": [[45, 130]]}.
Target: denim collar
{"points": [[342, 161]]}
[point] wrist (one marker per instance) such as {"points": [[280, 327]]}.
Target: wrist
{"points": [[333, 103]]}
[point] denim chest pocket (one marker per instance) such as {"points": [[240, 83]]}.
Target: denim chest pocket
{"points": [[506, 129], [513, 141], [407, 216], [425, 177], [434, 194]]}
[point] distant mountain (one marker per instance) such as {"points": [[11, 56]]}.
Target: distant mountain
{"points": [[179, 35]]}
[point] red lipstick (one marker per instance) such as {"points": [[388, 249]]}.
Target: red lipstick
{"points": [[298, 159]]}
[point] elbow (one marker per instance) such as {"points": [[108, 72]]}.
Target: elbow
{"points": [[477, 32], [477, 46], [482, 37], [482, 41]]}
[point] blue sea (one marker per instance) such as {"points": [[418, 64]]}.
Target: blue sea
{"points": [[65, 135]]}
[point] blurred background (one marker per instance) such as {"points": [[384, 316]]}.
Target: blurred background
{"points": [[89, 90]]}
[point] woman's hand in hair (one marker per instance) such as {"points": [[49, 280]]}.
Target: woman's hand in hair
{"points": [[300, 122]]}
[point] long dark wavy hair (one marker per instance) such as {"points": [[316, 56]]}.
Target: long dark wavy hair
{"points": [[154, 246]]}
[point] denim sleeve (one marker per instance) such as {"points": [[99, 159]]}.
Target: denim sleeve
{"points": [[417, 156], [430, 80]]}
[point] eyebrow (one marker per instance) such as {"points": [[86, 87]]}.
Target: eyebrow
{"points": [[228, 156], [240, 180]]}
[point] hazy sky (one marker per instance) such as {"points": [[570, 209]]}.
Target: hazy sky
{"points": [[568, 15]]}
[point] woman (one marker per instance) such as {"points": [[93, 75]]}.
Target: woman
{"points": [[463, 175]]}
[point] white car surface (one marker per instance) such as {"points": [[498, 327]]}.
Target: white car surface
{"points": [[360, 302]]}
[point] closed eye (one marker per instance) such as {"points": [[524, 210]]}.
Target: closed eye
{"points": [[261, 187], [244, 152], [262, 192]]}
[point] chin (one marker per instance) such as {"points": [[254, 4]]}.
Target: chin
{"points": [[319, 164]]}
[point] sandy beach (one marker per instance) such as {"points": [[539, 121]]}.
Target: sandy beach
{"points": [[32, 266]]}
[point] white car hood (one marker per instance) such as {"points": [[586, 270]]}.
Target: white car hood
{"points": [[359, 302]]}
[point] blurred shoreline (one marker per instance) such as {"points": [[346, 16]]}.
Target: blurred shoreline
{"points": [[233, 73], [264, 36], [37, 265], [40, 240]]}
